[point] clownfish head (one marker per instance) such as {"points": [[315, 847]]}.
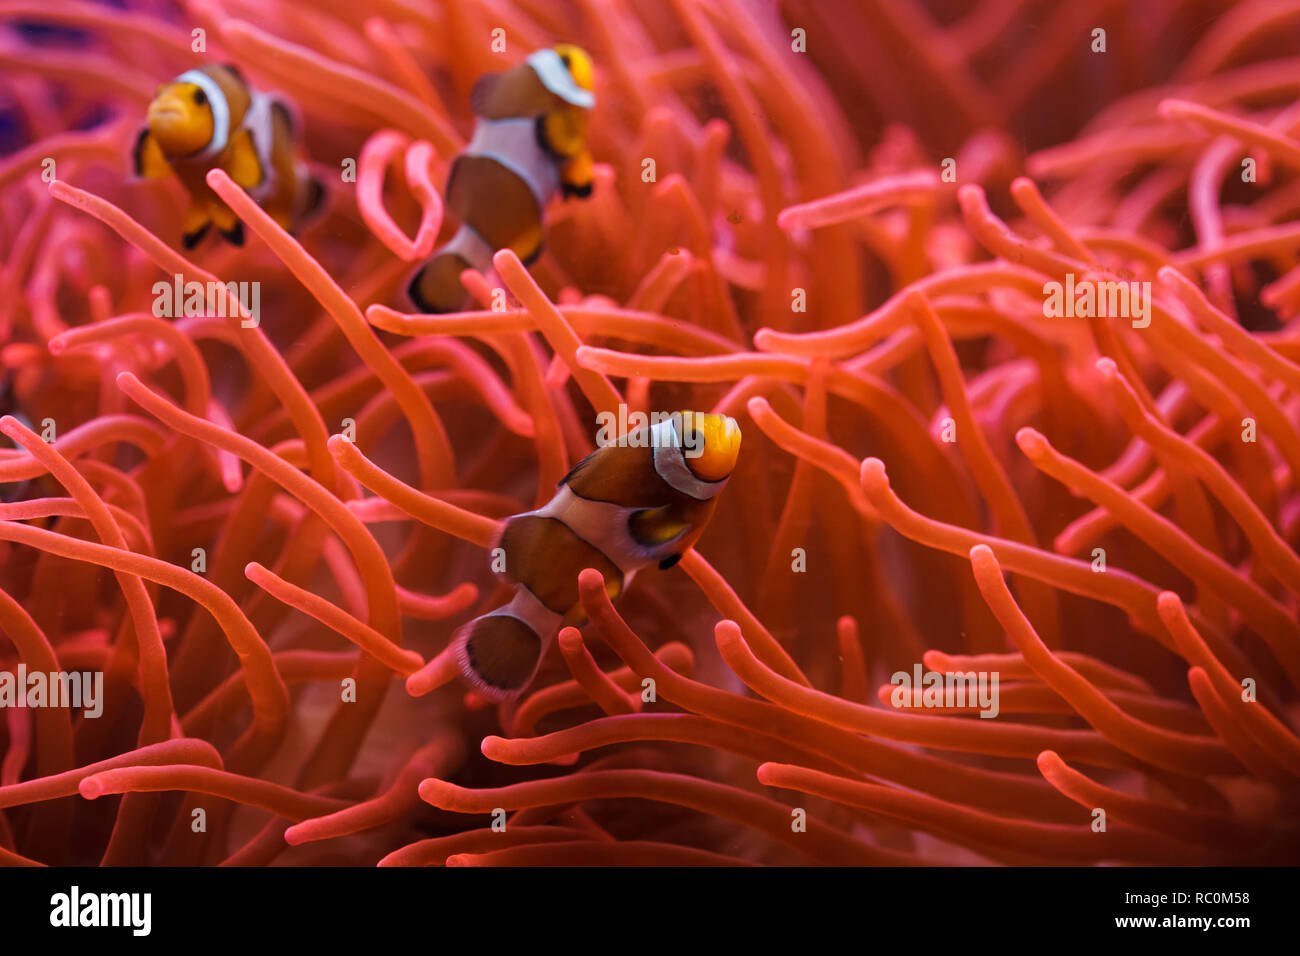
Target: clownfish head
{"points": [[710, 444], [578, 64], [180, 117], [566, 71]]}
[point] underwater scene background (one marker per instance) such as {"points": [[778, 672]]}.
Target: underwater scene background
{"points": [[1000, 293]]}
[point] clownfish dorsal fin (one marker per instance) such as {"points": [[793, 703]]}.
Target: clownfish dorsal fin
{"points": [[244, 166], [573, 472], [148, 158]]}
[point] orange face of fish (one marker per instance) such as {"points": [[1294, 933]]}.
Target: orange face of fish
{"points": [[710, 444], [180, 119], [578, 64]]}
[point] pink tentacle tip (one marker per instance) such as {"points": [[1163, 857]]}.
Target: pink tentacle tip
{"points": [[1108, 369], [1032, 443]]}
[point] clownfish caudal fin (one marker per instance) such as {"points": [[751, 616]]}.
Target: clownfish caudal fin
{"points": [[499, 653], [436, 287]]}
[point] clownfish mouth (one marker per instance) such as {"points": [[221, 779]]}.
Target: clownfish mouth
{"points": [[168, 113]]}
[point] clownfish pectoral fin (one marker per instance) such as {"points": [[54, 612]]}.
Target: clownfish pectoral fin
{"points": [[654, 526], [499, 654], [244, 167], [148, 158]]}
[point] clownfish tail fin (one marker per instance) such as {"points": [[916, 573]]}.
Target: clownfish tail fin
{"points": [[436, 286], [499, 653]]}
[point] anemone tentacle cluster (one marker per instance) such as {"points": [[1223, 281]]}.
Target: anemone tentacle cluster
{"points": [[842, 223]]}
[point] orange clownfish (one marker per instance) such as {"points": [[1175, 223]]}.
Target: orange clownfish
{"points": [[211, 117], [643, 500], [530, 142]]}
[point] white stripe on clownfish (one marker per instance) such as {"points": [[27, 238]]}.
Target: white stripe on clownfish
{"points": [[471, 247], [555, 76], [260, 125], [220, 111], [670, 463], [512, 142], [527, 607], [604, 526]]}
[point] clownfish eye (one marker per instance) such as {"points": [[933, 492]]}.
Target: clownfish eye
{"points": [[200, 97], [564, 58]]}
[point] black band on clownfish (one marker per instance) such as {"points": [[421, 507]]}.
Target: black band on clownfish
{"points": [[625, 507]]}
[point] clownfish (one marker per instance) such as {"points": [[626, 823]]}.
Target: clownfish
{"points": [[641, 501], [529, 142], [210, 117]]}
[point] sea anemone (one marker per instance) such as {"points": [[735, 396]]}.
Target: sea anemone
{"points": [[838, 222]]}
